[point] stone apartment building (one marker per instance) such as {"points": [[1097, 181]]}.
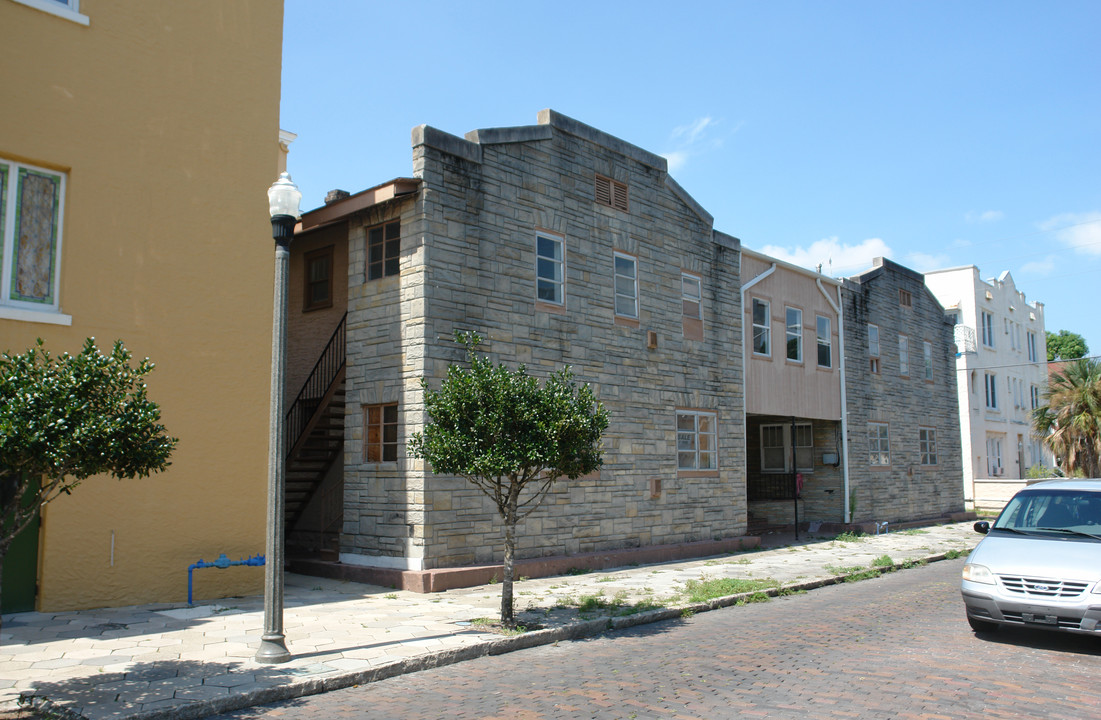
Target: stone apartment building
{"points": [[903, 420], [559, 244]]}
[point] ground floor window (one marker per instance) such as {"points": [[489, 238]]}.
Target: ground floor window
{"points": [[697, 447], [927, 439], [879, 444], [994, 455], [380, 435], [776, 447]]}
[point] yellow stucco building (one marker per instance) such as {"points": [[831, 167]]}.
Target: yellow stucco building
{"points": [[137, 141]]}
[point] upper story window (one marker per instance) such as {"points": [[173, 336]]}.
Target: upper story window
{"points": [[825, 342], [903, 355], [697, 447], [762, 332], [68, 9], [987, 321], [611, 193], [550, 268], [905, 298], [1035, 396], [794, 334], [691, 288], [626, 285], [384, 250], [31, 214], [953, 316], [318, 273], [879, 444], [873, 347], [927, 356], [1031, 346], [991, 384]]}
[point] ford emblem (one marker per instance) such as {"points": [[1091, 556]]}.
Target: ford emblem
{"points": [[1041, 588]]}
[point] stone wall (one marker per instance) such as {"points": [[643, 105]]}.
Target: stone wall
{"points": [[905, 489], [468, 263]]}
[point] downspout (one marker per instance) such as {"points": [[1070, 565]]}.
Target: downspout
{"points": [[745, 365], [844, 406]]}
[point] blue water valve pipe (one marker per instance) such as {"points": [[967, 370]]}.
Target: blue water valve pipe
{"points": [[221, 563]]}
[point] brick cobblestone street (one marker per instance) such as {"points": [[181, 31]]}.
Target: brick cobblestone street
{"points": [[894, 647]]}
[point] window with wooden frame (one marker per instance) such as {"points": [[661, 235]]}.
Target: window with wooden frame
{"points": [[550, 268], [762, 329], [879, 444], [691, 291], [697, 440], [318, 274], [611, 193], [825, 342], [903, 356], [793, 318], [380, 433], [776, 448], [905, 298], [384, 250], [927, 441], [873, 347], [625, 272]]}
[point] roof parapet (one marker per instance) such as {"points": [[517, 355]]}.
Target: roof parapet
{"points": [[446, 142], [587, 132]]}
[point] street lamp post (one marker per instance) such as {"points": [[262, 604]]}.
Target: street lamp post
{"points": [[283, 201]]}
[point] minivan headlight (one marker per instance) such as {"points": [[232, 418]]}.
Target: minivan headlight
{"points": [[978, 573]]}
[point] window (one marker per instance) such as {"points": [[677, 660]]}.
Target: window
{"points": [[903, 355], [873, 347], [696, 441], [1035, 393], [776, 448], [927, 356], [318, 273], [761, 330], [905, 299], [1031, 346], [987, 329], [550, 269], [68, 9], [691, 308], [879, 444], [825, 343], [611, 193], [31, 214], [794, 317], [380, 436], [994, 455], [991, 391], [953, 316], [383, 250], [927, 441], [626, 286]]}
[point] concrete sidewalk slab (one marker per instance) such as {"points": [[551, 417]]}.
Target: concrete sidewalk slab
{"points": [[171, 661]]}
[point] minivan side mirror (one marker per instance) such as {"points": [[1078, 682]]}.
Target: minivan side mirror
{"points": [[982, 526]]}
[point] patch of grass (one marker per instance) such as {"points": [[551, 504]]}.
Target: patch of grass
{"points": [[391, 596], [757, 597], [493, 580], [706, 589], [606, 578], [578, 571], [953, 554], [495, 626], [907, 564], [883, 561], [849, 536], [913, 531], [687, 613], [842, 569]]}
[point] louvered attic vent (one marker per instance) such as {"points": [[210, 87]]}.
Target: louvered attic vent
{"points": [[611, 193]]}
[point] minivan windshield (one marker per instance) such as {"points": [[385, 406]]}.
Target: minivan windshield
{"points": [[1053, 512]]}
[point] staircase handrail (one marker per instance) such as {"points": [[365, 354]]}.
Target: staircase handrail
{"points": [[325, 371]]}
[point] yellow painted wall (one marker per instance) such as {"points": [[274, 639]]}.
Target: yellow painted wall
{"points": [[165, 115]]}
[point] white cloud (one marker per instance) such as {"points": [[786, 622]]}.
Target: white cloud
{"points": [[676, 159], [984, 217], [1040, 267], [924, 262], [693, 130], [835, 257], [1078, 231]]}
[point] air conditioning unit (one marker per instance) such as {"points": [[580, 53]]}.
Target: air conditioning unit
{"points": [[997, 472]]}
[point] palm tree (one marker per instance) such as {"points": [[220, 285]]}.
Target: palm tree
{"points": [[1070, 423]]}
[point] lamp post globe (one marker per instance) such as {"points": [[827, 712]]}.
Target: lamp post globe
{"points": [[283, 204]]}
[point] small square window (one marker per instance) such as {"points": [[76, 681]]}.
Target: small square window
{"points": [[905, 299], [611, 193], [384, 250], [380, 436], [697, 447]]}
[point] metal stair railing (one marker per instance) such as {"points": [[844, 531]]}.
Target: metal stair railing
{"points": [[317, 389]]}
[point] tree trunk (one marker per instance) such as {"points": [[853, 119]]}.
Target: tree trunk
{"points": [[510, 555]]}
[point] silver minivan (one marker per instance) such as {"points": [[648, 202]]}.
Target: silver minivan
{"points": [[1040, 562]]}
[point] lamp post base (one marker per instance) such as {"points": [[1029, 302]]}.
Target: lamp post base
{"points": [[273, 649]]}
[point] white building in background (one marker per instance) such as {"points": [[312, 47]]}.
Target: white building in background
{"points": [[1002, 366]]}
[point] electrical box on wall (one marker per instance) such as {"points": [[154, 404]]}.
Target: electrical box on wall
{"points": [[830, 459]]}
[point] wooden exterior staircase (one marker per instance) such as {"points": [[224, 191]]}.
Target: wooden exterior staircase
{"points": [[315, 428]]}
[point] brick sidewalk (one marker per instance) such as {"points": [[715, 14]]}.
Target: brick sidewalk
{"points": [[171, 661]]}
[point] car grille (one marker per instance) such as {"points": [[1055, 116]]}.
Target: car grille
{"points": [[1039, 587], [1065, 623]]}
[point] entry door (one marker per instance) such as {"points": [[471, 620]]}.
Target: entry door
{"points": [[20, 576]]}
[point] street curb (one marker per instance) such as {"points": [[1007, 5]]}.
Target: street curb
{"points": [[498, 646]]}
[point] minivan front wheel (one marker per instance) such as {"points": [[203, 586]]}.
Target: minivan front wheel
{"points": [[982, 626]]}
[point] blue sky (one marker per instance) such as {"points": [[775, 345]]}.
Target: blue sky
{"points": [[936, 134]]}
